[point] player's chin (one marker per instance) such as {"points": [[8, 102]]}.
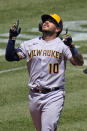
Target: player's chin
{"points": [[45, 29]]}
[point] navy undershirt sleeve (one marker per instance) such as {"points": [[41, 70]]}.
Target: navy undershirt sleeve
{"points": [[11, 54]]}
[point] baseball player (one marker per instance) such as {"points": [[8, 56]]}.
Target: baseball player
{"points": [[45, 58]]}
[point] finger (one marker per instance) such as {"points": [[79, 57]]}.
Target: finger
{"points": [[17, 24], [19, 30], [66, 30]]}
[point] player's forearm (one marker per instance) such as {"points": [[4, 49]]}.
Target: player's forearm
{"points": [[11, 54], [77, 57]]}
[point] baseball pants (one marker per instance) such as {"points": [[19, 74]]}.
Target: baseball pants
{"points": [[45, 109]]}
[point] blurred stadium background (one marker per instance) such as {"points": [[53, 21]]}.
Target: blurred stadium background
{"points": [[14, 104]]}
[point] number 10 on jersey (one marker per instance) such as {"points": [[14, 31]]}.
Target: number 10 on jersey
{"points": [[53, 68]]}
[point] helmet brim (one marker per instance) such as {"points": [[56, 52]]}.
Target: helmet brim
{"points": [[46, 17]]}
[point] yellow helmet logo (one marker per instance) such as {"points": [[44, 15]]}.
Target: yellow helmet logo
{"points": [[56, 17]]}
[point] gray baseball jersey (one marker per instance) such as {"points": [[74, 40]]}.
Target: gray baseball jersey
{"points": [[45, 61]]}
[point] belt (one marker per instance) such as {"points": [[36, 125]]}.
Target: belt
{"points": [[44, 90]]}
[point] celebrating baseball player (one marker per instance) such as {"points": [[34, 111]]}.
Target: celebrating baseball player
{"points": [[46, 58]]}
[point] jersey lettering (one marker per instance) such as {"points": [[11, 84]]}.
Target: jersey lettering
{"points": [[34, 53], [50, 53]]}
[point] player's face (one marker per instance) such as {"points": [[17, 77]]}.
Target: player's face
{"points": [[49, 25]]}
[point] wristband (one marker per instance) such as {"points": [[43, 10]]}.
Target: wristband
{"points": [[12, 38]]}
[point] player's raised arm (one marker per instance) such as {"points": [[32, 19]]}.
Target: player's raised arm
{"points": [[77, 58], [12, 53]]}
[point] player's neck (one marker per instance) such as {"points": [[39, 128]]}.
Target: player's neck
{"points": [[48, 37]]}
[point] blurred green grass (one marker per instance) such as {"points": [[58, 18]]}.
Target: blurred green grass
{"points": [[14, 108], [82, 46], [29, 12]]}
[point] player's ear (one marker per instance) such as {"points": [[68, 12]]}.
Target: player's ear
{"points": [[58, 29]]}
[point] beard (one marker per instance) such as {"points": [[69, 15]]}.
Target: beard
{"points": [[48, 32]]}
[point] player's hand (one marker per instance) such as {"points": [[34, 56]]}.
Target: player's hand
{"points": [[14, 30], [67, 39]]}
